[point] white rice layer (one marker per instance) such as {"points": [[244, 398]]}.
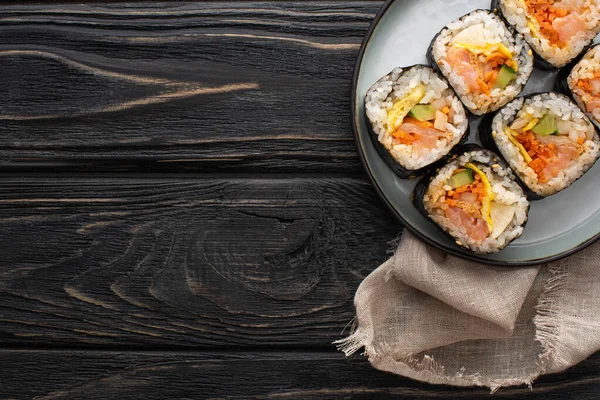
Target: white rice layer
{"points": [[506, 191], [497, 33], [578, 126], [586, 68], [380, 99], [516, 14]]}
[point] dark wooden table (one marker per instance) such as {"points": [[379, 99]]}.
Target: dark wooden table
{"points": [[183, 213]]}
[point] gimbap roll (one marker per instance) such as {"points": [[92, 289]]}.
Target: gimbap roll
{"points": [[415, 119], [582, 83], [474, 199], [484, 62], [546, 139], [556, 30]]}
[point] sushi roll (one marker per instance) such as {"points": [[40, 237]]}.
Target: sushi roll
{"points": [[546, 139], [415, 119], [556, 30], [484, 62], [582, 83], [474, 199]]}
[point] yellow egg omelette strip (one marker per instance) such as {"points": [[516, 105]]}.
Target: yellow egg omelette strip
{"points": [[486, 203], [489, 49], [530, 125], [402, 107], [510, 134]]}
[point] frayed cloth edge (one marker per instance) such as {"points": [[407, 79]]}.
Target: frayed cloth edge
{"points": [[546, 315], [427, 363], [546, 334], [351, 344]]}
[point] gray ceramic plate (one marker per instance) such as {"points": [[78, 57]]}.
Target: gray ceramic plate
{"points": [[558, 225]]}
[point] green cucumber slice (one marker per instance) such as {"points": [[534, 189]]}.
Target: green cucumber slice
{"points": [[546, 125], [461, 178], [505, 75], [422, 112]]}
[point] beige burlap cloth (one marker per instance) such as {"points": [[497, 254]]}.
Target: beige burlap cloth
{"points": [[440, 319]]}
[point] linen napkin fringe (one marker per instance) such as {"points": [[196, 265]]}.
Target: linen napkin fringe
{"points": [[546, 314], [546, 334]]}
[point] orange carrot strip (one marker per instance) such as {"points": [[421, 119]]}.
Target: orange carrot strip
{"points": [[482, 85]]}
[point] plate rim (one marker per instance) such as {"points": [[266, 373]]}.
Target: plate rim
{"points": [[449, 250]]}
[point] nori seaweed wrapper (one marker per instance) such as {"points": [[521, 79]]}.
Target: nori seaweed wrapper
{"points": [[398, 169], [434, 64], [486, 138], [540, 61], [423, 184], [561, 84]]}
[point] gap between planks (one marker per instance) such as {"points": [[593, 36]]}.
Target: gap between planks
{"points": [[186, 176]]}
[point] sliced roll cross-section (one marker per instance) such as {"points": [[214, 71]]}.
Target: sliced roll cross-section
{"points": [[556, 30], [415, 119], [546, 139], [582, 83], [474, 199], [486, 64]]}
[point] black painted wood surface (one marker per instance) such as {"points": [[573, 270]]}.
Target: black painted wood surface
{"points": [[206, 86], [92, 375], [183, 213], [186, 261]]}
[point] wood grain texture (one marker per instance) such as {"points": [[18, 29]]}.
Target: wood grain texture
{"points": [[242, 277], [286, 375], [202, 86], [185, 262]]}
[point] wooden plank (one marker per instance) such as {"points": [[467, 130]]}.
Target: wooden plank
{"points": [[181, 261], [206, 86], [156, 375]]}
